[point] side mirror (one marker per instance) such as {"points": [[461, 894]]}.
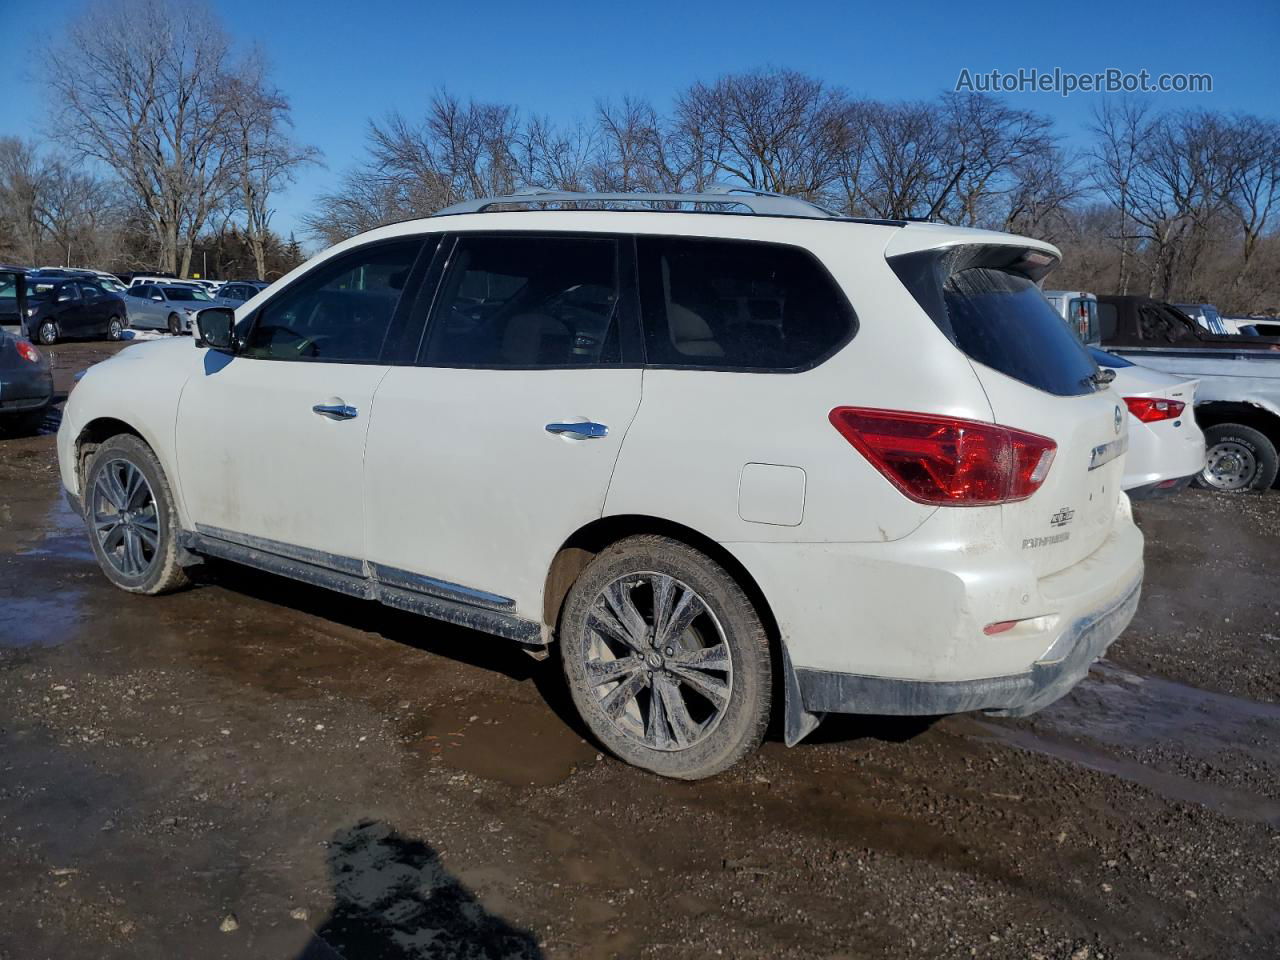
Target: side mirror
{"points": [[157, 298], [215, 327]]}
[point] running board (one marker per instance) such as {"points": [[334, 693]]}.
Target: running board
{"points": [[425, 596]]}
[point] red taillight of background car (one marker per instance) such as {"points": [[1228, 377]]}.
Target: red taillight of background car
{"points": [[27, 352], [1151, 409], [946, 461]]}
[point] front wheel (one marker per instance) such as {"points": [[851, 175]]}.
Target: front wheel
{"points": [[47, 333], [175, 325], [666, 658], [1238, 459], [115, 329], [128, 509]]}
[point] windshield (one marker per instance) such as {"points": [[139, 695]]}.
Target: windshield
{"points": [[1104, 359], [112, 286], [1214, 319], [185, 293]]}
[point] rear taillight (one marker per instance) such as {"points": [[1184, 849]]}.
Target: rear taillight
{"points": [[27, 352], [1150, 409], [947, 461]]}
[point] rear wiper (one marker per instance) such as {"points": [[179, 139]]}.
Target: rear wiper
{"points": [[1101, 378]]}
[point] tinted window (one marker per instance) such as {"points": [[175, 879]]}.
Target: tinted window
{"points": [[530, 301], [89, 291], [738, 305], [1002, 321], [137, 292], [1107, 321], [186, 293], [8, 286], [339, 312]]}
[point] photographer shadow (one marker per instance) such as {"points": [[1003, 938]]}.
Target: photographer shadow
{"points": [[394, 900]]}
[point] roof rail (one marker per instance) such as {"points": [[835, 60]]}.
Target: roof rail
{"points": [[716, 195]]}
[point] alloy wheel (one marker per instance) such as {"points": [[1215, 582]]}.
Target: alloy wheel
{"points": [[1229, 466], [115, 329], [124, 518], [48, 332], [657, 661]]}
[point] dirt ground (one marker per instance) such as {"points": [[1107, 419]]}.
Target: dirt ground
{"points": [[253, 768]]}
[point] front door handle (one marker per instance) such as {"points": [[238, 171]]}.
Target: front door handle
{"points": [[580, 430], [336, 411]]}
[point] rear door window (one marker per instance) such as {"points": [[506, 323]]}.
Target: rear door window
{"points": [[1001, 320], [738, 305], [528, 302]]}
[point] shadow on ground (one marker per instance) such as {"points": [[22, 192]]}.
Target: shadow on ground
{"points": [[394, 900]]}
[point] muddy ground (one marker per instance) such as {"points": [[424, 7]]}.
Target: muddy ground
{"points": [[253, 768]]}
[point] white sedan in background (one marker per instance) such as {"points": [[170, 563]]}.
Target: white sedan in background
{"points": [[1166, 446]]}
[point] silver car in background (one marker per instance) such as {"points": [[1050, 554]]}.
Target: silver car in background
{"points": [[167, 306]]}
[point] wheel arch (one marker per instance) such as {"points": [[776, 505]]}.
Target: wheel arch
{"points": [[95, 433], [578, 550], [1262, 419]]}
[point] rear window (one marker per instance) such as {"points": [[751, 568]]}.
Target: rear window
{"points": [[1001, 320]]}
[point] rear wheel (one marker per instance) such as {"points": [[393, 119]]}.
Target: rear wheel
{"points": [[175, 325], [1238, 459], [666, 658], [47, 333], [129, 513]]}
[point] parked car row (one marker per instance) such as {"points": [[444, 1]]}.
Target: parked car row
{"points": [[59, 303]]}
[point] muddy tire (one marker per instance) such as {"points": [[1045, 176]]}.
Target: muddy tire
{"points": [[129, 513], [666, 658], [1238, 459], [175, 325]]}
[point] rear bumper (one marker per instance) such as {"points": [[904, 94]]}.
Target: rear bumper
{"points": [[1161, 488], [1048, 679], [24, 391]]}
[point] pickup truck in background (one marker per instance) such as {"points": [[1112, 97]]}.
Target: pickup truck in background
{"points": [[1238, 399], [1166, 447]]}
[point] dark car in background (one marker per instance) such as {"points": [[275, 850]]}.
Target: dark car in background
{"points": [[26, 384], [13, 296], [238, 291], [59, 308]]}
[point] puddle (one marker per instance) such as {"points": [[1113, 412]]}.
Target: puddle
{"points": [[517, 743], [62, 535], [39, 622], [1165, 720]]}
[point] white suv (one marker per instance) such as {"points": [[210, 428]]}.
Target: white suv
{"points": [[726, 461]]}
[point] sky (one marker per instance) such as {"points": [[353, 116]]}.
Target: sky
{"points": [[343, 62]]}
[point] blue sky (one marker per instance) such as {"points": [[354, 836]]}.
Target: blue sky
{"points": [[342, 62]]}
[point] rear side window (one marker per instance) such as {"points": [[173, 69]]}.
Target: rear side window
{"points": [[527, 302], [1107, 321], [1001, 320], [738, 305]]}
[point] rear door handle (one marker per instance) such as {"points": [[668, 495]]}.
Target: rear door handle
{"points": [[580, 430], [336, 411]]}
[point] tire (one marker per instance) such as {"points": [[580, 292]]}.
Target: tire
{"points": [[47, 333], [115, 329], [175, 325], [697, 736], [160, 571], [1238, 459]]}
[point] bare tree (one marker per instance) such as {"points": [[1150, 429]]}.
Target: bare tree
{"points": [[149, 110], [261, 153], [773, 130]]}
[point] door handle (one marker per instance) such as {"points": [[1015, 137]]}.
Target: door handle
{"points": [[580, 430], [336, 411]]}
